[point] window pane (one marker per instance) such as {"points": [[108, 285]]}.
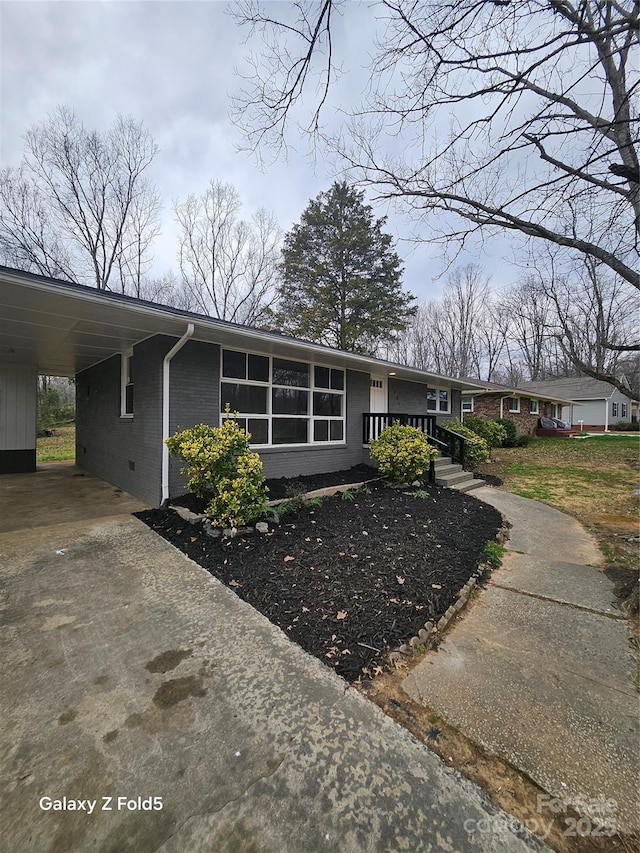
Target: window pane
{"points": [[514, 404], [128, 393], [337, 380], [289, 401], [431, 399], [242, 422], [337, 430], [234, 364], [290, 431], [130, 368], [321, 431], [444, 401], [327, 404], [321, 375], [290, 373], [259, 430], [258, 368], [243, 398], [467, 404]]}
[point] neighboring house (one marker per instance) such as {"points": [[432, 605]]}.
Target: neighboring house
{"points": [[143, 371], [597, 404], [524, 407]]}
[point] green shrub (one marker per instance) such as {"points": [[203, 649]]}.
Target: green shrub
{"points": [[402, 453], [476, 449], [524, 439], [626, 426], [222, 468], [492, 432], [510, 428]]}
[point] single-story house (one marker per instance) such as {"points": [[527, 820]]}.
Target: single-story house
{"points": [[144, 371], [524, 407], [596, 405]]}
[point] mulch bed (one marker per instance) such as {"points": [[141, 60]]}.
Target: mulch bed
{"points": [[349, 579], [490, 479]]}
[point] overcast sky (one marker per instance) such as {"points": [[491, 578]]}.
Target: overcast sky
{"points": [[171, 64]]}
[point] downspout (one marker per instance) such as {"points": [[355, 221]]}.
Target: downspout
{"points": [[606, 415], [166, 369]]}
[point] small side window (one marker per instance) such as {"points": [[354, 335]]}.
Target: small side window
{"points": [[534, 407], [126, 385], [514, 404]]}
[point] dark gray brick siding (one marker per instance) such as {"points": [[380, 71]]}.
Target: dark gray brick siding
{"points": [[108, 445], [128, 451], [410, 398], [194, 398]]}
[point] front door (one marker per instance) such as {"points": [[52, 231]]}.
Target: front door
{"points": [[378, 394], [378, 404]]}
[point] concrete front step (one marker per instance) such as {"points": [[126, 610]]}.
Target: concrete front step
{"points": [[455, 477], [446, 466], [451, 475], [468, 485]]}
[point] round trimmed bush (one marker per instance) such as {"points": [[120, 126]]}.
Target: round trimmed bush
{"points": [[402, 453], [492, 432], [222, 468], [476, 449]]}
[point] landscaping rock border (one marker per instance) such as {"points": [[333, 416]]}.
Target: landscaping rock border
{"points": [[325, 492], [261, 526], [431, 631]]}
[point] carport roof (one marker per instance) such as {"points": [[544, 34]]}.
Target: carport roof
{"points": [[62, 328]]}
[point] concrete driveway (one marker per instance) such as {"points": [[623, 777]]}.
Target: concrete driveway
{"points": [[146, 708], [540, 671]]}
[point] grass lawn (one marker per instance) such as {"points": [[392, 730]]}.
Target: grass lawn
{"points": [[59, 446], [592, 479]]}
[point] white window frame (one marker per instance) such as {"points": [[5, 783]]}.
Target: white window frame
{"points": [[623, 410], [125, 382], [512, 410], [554, 410], [614, 410], [536, 410], [269, 415], [465, 411], [438, 410]]}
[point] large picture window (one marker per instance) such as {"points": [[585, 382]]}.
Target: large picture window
{"points": [[283, 402]]}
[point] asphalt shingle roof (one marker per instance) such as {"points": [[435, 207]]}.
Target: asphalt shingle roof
{"points": [[574, 388]]}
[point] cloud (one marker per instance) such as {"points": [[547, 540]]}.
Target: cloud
{"points": [[171, 64]]}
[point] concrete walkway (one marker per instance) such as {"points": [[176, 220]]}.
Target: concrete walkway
{"points": [[128, 673], [540, 670]]}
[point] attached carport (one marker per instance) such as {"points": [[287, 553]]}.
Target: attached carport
{"points": [[59, 329]]}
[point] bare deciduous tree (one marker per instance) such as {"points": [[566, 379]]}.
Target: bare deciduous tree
{"points": [[459, 334], [595, 323], [28, 238], [228, 265], [516, 115], [529, 319], [80, 205]]}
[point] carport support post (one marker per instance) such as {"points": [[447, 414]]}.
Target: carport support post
{"points": [[166, 370]]}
